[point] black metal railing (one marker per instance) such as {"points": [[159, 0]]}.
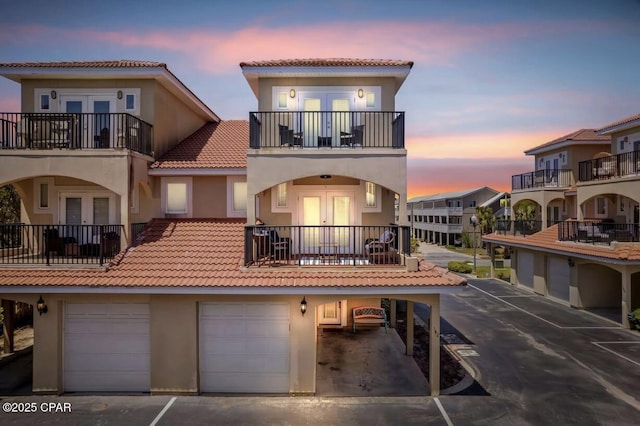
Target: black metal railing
{"points": [[546, 178], [625, 164], [136, 229], [11, 235], [326, 129], [75, 131], [60, 244], [517, 227], [597, 232], [325, 245]]}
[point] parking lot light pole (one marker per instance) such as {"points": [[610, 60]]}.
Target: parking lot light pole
{"points": [[474, 223]]}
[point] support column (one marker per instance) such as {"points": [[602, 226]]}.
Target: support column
{"points": [[434, 346], [626, 296], [8, 324], [393, 312], [409, 328], [492, 273]]}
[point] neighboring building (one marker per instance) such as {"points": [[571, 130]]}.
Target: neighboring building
{"points": [[591, 258], [442, 218], [138, 211]]}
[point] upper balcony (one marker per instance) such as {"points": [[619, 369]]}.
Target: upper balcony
{"points": [[39, 131], [326, 129], [610, 166], [546, 178]]}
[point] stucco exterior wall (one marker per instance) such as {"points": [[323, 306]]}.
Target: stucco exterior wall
{"points": [[598, 286], [209, 196]]}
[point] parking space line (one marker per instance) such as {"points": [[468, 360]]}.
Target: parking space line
{"points": [[445, 416], [518, 295], [599, 344], [164, 410]]}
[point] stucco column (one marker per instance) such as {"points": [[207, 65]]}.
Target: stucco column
{"points": [[492, 273], [9, 307], [402, 209], [626, 296], [393, 313], [434, 346], [409, 328], [543, 214]]}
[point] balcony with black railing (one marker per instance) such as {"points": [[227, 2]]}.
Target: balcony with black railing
{"points": [[326, 129], [84, 245], [546, 178], [517, 227], [75, 131], [612, 166], [596, 232], [326, 246]]}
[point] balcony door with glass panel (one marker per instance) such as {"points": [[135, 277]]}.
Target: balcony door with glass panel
{"points": [[326, 234], [331, 313], [94, 123], [325, 116], [86, 209]]}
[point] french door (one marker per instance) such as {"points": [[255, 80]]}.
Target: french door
{"points": [[326, 216], [326, 115], [86, 209], [97, 130]]}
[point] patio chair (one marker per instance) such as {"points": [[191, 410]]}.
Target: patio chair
{"points": [[288, 137], [354, 138], [381, 250]]}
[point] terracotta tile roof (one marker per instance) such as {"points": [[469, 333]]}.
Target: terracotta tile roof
{"points": [[328, 62], [582, 135], [617, 123], [209, 253], [214, 145], [119, 63], [548, 239]]}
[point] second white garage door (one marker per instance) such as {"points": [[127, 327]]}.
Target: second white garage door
{"points": [[525, 268], [244, 347], [558, 276], [106, 347]]}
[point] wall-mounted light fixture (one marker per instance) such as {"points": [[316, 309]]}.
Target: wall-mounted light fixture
{"points": [[292, 93], [360, 93], [54, 94], [571, 262], [325, 177], [41, 306], [120, 94], [303, 305]]}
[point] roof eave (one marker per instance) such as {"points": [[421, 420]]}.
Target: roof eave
{"points": [[619, 128], [563, 144]]}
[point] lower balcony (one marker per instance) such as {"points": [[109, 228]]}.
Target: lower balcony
{"points": [[598, 232], [326, 246], [75, 131], [22, 244], [517, 227]]}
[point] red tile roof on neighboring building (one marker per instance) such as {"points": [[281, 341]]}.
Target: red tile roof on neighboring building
{"points": [[328, 62], [620, 122], [547, 239], [214, 145], [209, 253], [118, 63], [582, 135]]}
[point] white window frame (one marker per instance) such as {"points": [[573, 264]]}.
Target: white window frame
{"points": [[177, 179], [606, 207], [136, 101], [50, 194], [274, 199], [53, 103], [231, 180], [372, 209]]}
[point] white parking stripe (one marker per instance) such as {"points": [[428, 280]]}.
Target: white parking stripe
{"points": [[599, 344], [445, 416], [161, 413]]}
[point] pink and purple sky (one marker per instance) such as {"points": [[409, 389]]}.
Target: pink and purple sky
{"points": [[490, 79]]}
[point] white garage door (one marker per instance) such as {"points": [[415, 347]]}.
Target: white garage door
{"points": [[525, 269], [244, 347], [106, 347], [558, 273]]}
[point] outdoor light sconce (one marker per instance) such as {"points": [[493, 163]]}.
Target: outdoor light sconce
{"points": [[303, 306], [360, 93], [325, 177], [41, 306], [571, 262], [119, 94], [54, 94], [292, 93]]}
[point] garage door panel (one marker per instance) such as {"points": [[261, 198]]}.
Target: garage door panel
{"points": [[525, 269], [246, 351], [106, 347], [558, 278]]}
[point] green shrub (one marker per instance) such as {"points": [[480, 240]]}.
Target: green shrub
{"points": [[459, 267], [415, 244], [467, 240]]}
